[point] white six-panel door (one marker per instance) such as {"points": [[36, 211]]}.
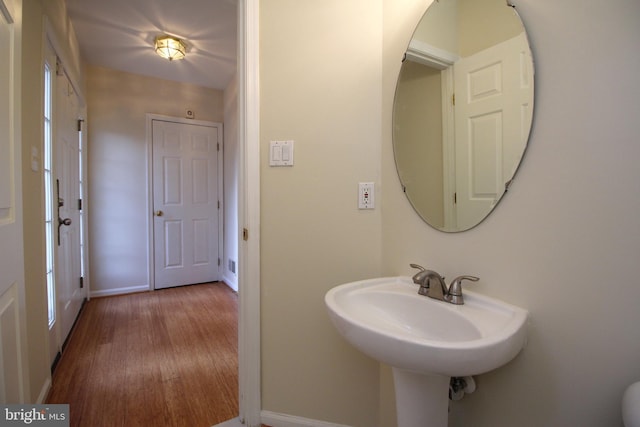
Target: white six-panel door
{"points": [[186, 203], [492, 117], [13, 367]]}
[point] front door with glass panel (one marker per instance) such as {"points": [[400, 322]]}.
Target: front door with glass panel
{"points": [[62, 184]]}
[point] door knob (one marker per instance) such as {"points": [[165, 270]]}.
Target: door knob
{"points": [[61, 222], [159, 213]]}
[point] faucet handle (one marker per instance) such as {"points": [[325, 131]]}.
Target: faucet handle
{"points": [[418, 278], [455, 289]]}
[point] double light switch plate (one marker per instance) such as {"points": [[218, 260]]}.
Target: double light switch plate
{"points": [[281, 153]]}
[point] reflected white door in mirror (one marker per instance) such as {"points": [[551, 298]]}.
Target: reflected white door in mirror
{"points": [[463, 110]]}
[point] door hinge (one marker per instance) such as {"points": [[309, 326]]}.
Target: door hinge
{"points": [[455, 198], [79, 204], [453, 99], [217, 146], [245, 234], [218, 262], [218, 204], [81, 282], [80, 125]]}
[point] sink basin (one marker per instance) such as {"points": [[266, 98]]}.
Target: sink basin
{"points": [[424, 340], [386, 319]]}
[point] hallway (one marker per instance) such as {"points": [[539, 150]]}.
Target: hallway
{"points": [[161, 358]]}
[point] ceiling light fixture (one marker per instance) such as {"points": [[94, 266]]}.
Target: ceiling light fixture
{"points": [[170, 48]]}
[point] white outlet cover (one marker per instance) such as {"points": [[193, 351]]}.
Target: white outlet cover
{"points": [[366, 195]]}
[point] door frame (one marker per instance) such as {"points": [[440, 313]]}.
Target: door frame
{"points": [[50, 39], [13, 298], [220, 172], [249, 359], [443, 60]]}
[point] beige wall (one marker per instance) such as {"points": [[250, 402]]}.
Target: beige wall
{"points": [[32, 199], [119, 214], [417, 139], [439, 26], [320, 86], [563, 243], [483, 24], [465, 27], [565, 240]]}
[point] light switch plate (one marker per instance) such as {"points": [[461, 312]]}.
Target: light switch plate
{"points": [[281, 153], [35, 161]]}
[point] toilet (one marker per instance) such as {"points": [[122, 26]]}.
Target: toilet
{"points": [[631, 406]]}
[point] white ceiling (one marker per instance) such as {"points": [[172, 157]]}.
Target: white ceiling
{"points": [[119, 34]]}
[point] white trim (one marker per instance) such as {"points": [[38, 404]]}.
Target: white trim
{"points": [[235, 422], [119, 291], [86, 280], [230, 280], [440, 59], [44, 391], [13, 222], [230, 286], [429, 55], [283, 420], [149, 190], [448, 147], [249, 212], [149, 166]]}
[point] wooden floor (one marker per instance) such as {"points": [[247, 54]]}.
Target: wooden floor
{"points": [[161, 358]]}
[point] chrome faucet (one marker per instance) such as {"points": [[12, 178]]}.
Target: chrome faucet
{"points": [[433, 285]]}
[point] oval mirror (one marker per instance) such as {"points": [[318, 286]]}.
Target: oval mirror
{"points": [[462, 111]]}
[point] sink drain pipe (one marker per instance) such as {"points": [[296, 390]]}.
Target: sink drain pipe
{"points": [[459, 386]]}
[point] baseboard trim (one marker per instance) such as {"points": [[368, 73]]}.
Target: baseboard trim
{"points": [[44, 391], [119, 291], [274, 419], [231, 281], [231, 423]]}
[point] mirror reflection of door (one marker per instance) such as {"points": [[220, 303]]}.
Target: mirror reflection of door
{"points": [[462, 111], [492, 117]]}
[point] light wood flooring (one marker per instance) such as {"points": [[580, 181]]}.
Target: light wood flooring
{"points": [[161, 358]]}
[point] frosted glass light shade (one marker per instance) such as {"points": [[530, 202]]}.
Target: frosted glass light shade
{"points": [[170, 48]]}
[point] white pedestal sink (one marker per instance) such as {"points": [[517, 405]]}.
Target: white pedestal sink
{"points": [[426, 341]]}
